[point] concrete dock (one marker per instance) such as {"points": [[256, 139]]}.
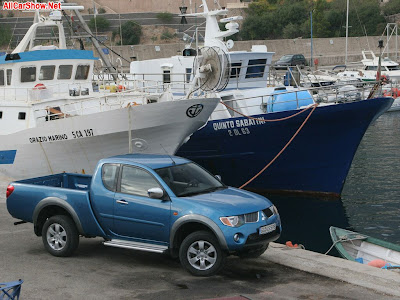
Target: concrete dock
{"points": [[97, 271]]}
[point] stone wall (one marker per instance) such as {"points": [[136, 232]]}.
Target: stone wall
{"points": [[135, 6], [328, 51]]}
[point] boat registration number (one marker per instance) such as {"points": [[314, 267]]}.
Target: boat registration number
{"points": [[267, 228]]}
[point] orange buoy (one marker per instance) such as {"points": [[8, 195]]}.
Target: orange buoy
{"points": [[290, 244], [377, 263]]}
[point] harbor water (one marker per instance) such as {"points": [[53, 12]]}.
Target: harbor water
{"points": [[370, 201]]}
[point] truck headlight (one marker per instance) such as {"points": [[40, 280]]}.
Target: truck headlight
{"points": [[234, 221], [274, 210]]}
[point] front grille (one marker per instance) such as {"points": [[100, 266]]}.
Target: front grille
{"points": [[251, 217]]}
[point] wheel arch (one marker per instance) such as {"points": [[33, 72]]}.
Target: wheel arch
{"points": [[191, 223], [52, 206]]}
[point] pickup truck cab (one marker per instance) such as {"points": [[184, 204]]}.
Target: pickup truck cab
{"points": [[156, 203]]}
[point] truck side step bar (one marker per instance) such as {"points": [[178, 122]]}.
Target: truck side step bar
{"points": [[136, 246]]}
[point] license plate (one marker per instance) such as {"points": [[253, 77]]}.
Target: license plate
{"points": [[267, 228]]}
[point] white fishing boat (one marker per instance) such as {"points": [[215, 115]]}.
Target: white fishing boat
{"points": [[390, 68], [52, 120]]}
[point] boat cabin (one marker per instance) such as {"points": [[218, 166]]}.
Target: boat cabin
{"points": [[39, 74], [248, 70], [37, 78]]}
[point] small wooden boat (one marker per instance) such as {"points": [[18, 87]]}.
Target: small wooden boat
{"points": [[364, 249]]}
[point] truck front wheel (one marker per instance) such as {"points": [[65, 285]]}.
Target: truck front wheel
{"points": [[60, 236], [201, 254]]}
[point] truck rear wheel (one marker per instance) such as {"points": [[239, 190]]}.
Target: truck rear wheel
{"points": [[60, 236], [201, 254]]}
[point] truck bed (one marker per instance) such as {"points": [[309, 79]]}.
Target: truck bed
{"points": [[63, 180], [72, 189]]}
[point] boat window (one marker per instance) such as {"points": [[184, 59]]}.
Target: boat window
{"points": [[22, 116], [188, 74], [28, 74], [9, 75], [136, 181], [1, 77], [393, 68], [256, 68], [1, 115], [166, 76], [82, 72], [64, 72], [235, 70], [47, 72], [371, 68]]}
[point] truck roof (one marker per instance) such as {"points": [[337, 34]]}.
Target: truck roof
{"points": [[153, 161]]}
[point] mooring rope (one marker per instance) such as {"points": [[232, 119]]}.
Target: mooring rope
{"points": [[287, 144]]}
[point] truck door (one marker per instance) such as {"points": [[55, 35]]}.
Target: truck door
{"points": [[135, 214]]}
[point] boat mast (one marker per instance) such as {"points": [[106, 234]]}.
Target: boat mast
{"points": [[347, 30]]}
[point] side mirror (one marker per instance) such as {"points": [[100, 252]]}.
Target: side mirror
{"points": [[218, 177], [155, 193]]}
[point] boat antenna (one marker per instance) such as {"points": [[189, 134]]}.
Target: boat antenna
{"points": [[73, 28], [170, 157]]}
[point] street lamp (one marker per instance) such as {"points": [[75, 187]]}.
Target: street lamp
{"points": [[311, 60]]}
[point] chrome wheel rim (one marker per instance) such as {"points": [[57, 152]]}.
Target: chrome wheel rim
{"points": [[202, 255], [56, 236]]}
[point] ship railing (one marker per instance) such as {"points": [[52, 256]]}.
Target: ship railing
{"points": [[100, 102], [14, 94], [326, 95], [182, 82], [146, 83], [52, 91], [41, 92], [153, 82]]}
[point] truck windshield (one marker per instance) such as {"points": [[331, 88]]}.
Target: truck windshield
{"points": [[189, 179]]}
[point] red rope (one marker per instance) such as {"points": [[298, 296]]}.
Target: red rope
{"points": [[283, 149]]}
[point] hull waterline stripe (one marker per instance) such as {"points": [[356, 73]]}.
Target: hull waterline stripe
{"points": [[7, 157]]}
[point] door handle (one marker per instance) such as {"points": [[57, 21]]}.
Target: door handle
{"points": [[121, 201]]}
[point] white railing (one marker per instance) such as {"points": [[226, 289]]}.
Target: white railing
{"points": [[88, 105]]}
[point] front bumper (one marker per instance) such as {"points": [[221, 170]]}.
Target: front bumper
{"points": [[250, 238], [255, 240]]}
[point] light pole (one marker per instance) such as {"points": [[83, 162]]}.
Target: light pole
{"points": [[347, 30], [311, 60]]}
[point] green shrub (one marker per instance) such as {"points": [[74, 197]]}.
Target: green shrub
{"points": [[5, 35], [166, 35], [165, 17], [392, 7], [131, 33], [101, 23]]}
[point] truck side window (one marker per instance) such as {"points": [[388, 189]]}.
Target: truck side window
{"points": [[137, 181], [109, 176]]}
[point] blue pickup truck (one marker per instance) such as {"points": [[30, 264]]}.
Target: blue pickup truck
{"points": [[156, 203]]}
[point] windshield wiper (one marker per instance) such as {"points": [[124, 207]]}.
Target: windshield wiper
{"points": [[211, 189]]}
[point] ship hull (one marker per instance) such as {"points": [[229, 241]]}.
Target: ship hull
{"points": [[316, 162], [76, 144]]}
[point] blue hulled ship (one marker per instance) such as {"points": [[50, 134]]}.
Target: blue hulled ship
{"points": [[310, 135]]}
